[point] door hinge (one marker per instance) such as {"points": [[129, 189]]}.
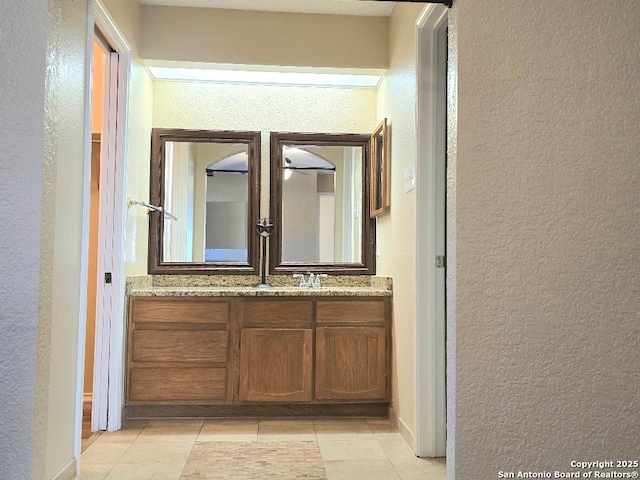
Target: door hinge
{"points": [[107, 277], [441, 261]]}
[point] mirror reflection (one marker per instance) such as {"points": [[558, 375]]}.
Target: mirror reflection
{"points": [[318, 188], [209, 181], [206, 187], [321, 203]]}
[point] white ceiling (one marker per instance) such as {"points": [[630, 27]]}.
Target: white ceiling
{"points": [[335, 7]]}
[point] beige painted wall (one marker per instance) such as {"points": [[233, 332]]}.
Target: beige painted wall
{"points": [[60, 239], [396, 229], [127, 15], [547, 200], [263, 38], [264, 108], [138, 158]]}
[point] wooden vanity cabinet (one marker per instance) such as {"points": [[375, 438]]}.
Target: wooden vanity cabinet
{"points": [[276, 345], [259, 355], [351, 361], [178, 351]]}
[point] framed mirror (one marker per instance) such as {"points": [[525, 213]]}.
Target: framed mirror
{"points": [[379, 170], [319, 204], [208, 184]]}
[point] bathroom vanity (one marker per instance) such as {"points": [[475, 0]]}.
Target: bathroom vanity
{"points": [[225, 351], [201, 340]]}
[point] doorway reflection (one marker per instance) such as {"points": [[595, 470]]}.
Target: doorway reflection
{"points": [[321, 204]]}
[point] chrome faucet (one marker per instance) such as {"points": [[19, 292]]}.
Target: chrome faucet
{"points": [[303, 283], [316, 283], [313, 282]]}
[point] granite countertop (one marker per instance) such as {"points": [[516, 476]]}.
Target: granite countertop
{"points": [[238, 286], [229, 291]]}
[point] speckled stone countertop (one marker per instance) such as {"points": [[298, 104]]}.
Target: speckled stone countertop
{"points": [[244, 286]]}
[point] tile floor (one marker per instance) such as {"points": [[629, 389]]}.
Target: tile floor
{"points": [[351, 449]]}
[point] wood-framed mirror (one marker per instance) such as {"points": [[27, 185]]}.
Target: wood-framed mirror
{"points": [[380, 174], [320, 204], [209, 181]]}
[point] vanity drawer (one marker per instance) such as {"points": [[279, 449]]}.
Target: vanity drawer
{"points": [[179, 310], [350, 311], [180, 346], [178, 385], [281, 312]]}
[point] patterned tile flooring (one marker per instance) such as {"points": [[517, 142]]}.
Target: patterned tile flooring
{"points": [[239, 449]]}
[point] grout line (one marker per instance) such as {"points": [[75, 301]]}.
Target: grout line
{"points": [[108, 473], [389, 458], [190, 452]]}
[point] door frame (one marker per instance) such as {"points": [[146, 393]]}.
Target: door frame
{"points": [[430, 437], [108, 370], [112, 326]]}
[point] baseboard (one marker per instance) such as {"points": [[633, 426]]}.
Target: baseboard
{"points": [[294, 410], [67, 473], [404, 431]]}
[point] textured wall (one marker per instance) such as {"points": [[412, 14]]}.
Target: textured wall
{"points": [[61, 236], [23, 41], [548, 195], [137, 182], [43, 147], [264, 108], [263, 38], [126, 14], [42, 195], [452, 247], [396, 230]]}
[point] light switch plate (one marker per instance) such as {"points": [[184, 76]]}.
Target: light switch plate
{"points": [[409, 179]]}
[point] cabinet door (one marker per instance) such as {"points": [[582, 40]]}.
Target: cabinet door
{"points": [[351, 363], [275, 365]]}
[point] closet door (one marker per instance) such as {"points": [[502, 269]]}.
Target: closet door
{"points": [[108, 303]]}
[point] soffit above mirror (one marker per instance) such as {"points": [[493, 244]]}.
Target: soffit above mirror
{"points": [[215, 35]]}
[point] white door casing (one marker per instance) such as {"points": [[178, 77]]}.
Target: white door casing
{"points": [[111, 362], [431, 95], [109, 354]]}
